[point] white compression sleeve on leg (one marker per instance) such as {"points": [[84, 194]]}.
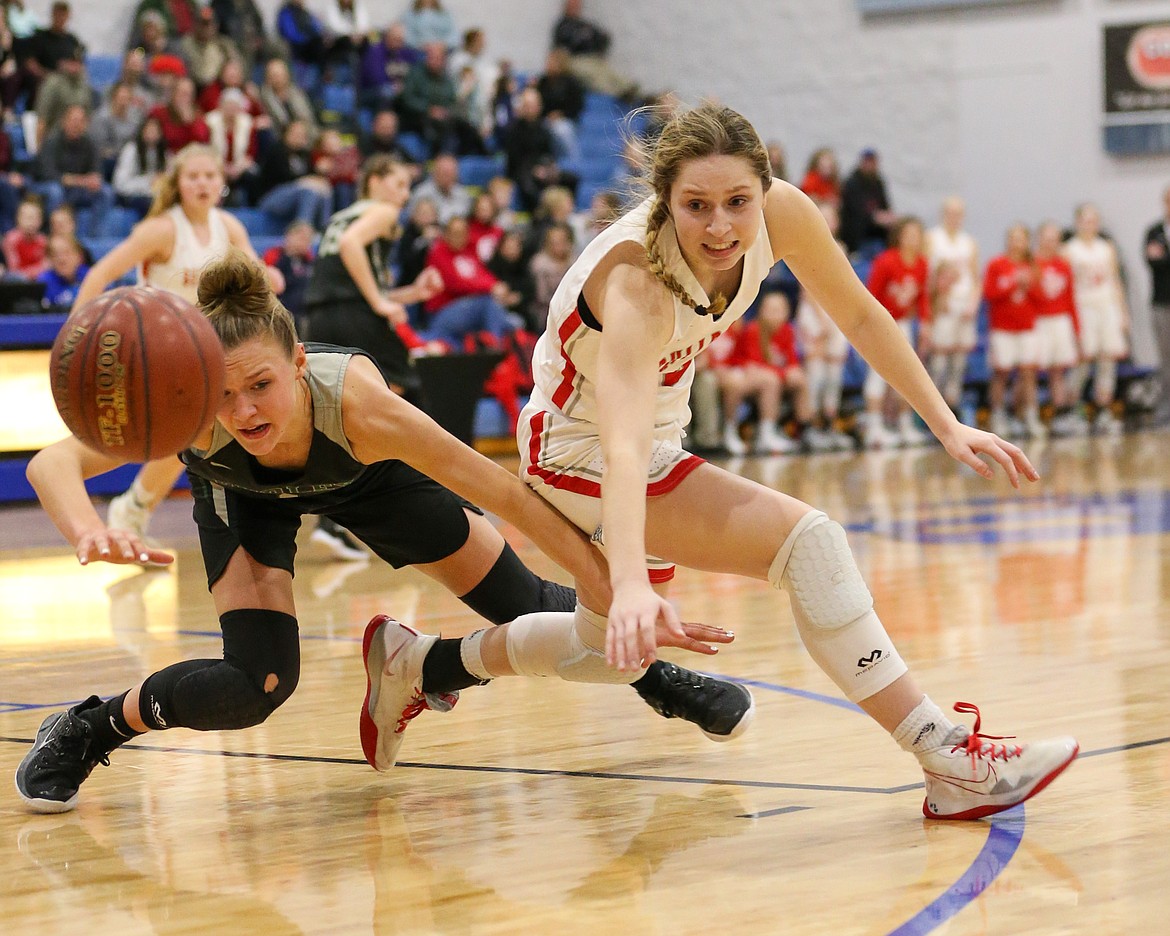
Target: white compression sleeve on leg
{"points": [[834, 609], [571, 646]]}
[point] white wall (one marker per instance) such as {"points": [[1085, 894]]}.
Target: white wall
{"points": [[1001, 105]]}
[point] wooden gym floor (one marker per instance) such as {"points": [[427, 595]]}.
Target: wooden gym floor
{"points": [[538, 806]]}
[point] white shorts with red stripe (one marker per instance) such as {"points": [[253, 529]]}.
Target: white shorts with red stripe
{"points": [[1012, 349], [1056, 341], [560, 459]]}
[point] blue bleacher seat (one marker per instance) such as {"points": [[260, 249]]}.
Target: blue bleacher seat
{"points": [[258, 223], [414, 146], [262, 243], [478, 170], [116, 223], [103, 70], [341, 98]]}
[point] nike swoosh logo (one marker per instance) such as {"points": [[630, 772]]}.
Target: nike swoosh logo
{"points": [[390, 659], [215, 464]]}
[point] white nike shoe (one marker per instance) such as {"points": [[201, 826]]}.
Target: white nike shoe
{"points": [[394, 655], [970, 776]]}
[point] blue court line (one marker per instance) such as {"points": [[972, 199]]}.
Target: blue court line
{"points": [[789, 690], [763, 814], [1003, 839]]}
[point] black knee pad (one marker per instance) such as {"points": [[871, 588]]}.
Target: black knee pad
{"points": [[210, 695], [509, 590]]}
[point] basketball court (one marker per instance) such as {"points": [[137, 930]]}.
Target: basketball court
{"points": [[539, 806]]}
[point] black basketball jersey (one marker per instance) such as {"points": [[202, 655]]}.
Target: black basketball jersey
{"points": [[331, 281]]}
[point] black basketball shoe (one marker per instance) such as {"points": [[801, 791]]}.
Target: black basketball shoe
{"points": [[62, 756], [723, 710]]}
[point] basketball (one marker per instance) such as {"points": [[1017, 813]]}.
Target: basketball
{"points": [[137, 373]]}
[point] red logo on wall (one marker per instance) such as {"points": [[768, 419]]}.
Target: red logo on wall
{"points": [[1148, 56]]}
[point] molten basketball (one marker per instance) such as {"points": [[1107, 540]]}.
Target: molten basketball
{"points": [[137, 373]]}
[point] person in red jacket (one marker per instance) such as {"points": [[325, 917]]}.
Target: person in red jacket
{"points": [[471, 299], [898, 280], [1057, 347], [1007, 287], [182, 121], [822, 179]]}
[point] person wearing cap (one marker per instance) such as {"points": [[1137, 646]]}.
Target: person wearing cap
{"points": [[866, 216], [205, 51]]}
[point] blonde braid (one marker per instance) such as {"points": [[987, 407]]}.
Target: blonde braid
{"points": [[658, 216]]}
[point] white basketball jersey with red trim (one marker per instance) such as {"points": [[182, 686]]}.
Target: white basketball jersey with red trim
{"points": [[1092, 266], [564, 363], [179, 273]]}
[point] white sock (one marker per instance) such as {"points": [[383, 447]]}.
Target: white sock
{"points": [[924, 730]]}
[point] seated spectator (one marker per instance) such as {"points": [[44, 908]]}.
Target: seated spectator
{"points": [[483, 231], [762, 366], [347, 24], [115, 124], [140, 164], [443, 188], [504, 98], [68, 168], [531, 153], [173, 17], [302, 32], [503, 191], [866, 216], [383, 140], [11, 183], [156, 42], [419, 233], [205, 50], [289, 187], [284, 101], [509, 266], [777, 159], [23, 25], [10, 71], [134, 76], [426, 21], [341, 164], [294, 259], [604, 209], [62, 88], [427, 105], [471, 298], [243, 23], [556, 207], [384, 67], [181, 120], [232, 76], [822, 178], [587, 45], [25, 247], [470, 105], [562, 96], [55, 43], [472, 54], [66, 271], [63, 223], [232, 132], [164, 73], [548, 268]]}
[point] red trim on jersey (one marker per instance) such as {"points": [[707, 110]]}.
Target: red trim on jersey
{"points": [[669, 380], [658, 576], [569, 371]]}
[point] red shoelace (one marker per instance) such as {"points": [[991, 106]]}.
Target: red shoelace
{"points": [[979, 745], [416, 704]]}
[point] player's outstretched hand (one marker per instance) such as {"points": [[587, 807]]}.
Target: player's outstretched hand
{"points": [[966, 444], [119, 547], [697, 638], [639, 620]]}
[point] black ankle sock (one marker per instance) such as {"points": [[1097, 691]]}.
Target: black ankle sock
{"points": [[443, 669], [110, 728]]}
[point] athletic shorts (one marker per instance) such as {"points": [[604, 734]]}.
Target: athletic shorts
{"points": [[402, 515], [951, 332], [1102, 334], [561, 461], [812, 324], [1012, 349], [1056, 341]]}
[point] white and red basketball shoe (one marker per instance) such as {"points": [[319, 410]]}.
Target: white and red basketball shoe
{"points": [[971, 776]]}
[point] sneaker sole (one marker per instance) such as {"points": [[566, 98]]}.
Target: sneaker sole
{"points": [[36, 804], [981, 812], [366, 726], [741, 726]]}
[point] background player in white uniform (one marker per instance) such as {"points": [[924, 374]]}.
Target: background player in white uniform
{"points": [[600, 440], [953, 256], [1102, 312], [182, 232]]}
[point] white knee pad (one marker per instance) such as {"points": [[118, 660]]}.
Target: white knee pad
{"points": [[569, 646], [834, 609]]}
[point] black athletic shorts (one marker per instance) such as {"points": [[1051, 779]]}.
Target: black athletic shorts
{"points": [[401, 514]]}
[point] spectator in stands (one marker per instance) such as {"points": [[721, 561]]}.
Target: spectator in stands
{"points": [[587, 45], [175, 17], [556, 206], [427, 105], [340, 163], [232, 76], [243, 23], [604, 209], [503, 191], [504, 97], [205, 50], [822, 178], [165, 72], [347, 24], [62, 88], [470, 105], [182, 121], [69, 168], [482, 230], [25, 247], [294, 259], [115, 124], [1157, 249], [302, 31], [10, 72], [472, 55], [11, 183], [419, 233], [778, 160], [289, 186], [443, 187], [140, 164], [898, 279], [383, 139], [66, 271], [55, 44], [548, 267], [384, 68], [233, 135], [866, 217], [426, 21], [134, 76], [284, 101], [562, 96], [509, 266], [531, 152], [63, 223], [155, 39], [23, 25], [470, 300]]}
